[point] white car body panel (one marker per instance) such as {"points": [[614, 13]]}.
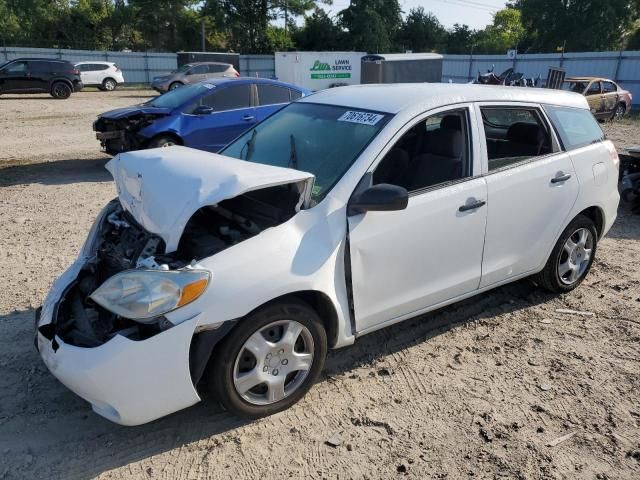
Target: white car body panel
{"points": [[403, 263], [163, 187], [96, 77]]}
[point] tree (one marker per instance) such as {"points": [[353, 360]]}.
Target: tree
{"points": [[583, 25], [421, 31], [372, 25], [504, 33], [318, 33], [461, 39]]}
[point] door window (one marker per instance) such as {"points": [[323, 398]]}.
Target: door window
{"points": [[17, 67], [514, 135], [295, 94], [232, 97], [609, 87], [272, 94], [434, 151], [198, 70], [594, 89], [217, 68]]}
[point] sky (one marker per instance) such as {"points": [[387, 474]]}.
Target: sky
{"points": [[475, 13]]}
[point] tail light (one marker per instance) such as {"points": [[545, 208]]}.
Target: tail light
{"points": [[75, 71], [613, 154], [236, 74]]}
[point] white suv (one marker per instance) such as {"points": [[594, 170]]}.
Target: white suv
{"points": [[345, 212], [104, 75]]}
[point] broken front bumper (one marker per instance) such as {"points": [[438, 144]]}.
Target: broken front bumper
{"points": [[128, 382]]}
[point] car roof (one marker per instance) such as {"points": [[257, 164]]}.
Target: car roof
{"points": [[29, 59], [209, 63], [220, 80], [586, 79], [394, 98], [94, 61]]}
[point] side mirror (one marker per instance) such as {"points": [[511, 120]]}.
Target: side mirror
{"points": [[379, 198], [203, 110]]}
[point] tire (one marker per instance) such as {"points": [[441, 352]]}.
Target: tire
{"points": [[619, 112], [578, 260], [253, 371], [109, 84], [162, 141], [175, 85], [60, 90]]}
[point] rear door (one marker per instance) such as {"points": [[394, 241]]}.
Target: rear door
{"points": [[196, 74], [232, 114], [532, 187], [609, 97]]}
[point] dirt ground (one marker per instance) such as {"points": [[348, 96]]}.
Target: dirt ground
{"points": [[482, 389]]}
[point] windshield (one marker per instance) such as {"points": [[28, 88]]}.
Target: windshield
{"points": [[179, 96], [183, 68], [577, 87], [320, 139]]}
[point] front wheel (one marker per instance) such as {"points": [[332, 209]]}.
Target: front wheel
{"points": [[571, 258], [163, 141], [270, 360]]}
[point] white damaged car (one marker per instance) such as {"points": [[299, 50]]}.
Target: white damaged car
{"points": [[343, 213]]}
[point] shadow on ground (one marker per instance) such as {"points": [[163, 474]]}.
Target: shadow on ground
{"points": [[59, 172], [70, 418]]}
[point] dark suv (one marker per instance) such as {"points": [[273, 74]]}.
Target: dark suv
{"points": [[58, 78]]}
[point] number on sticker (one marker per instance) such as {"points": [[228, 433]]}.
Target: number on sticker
{"points": [[364, 118]]}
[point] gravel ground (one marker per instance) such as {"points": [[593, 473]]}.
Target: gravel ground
{"points": [[483, 389]]}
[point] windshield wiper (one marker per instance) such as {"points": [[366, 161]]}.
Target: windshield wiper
{"points": [[250, 145], [293, 155]]}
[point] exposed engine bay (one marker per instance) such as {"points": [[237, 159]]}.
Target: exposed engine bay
{"points": [[120, 135], [120, 244]]}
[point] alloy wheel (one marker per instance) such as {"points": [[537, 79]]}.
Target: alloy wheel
{"points": [[575, 256], [110, 85], [273, 362]]}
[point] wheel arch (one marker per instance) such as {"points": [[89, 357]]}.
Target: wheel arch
{"points": [[596, 214], [60, 79], [205, 344], [166, 133]]}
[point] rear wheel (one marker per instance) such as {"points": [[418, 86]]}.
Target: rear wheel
{"points": [[60, 90], [109, 84], [571, 258], [163, 141], [175, 85], [270, 360], [619, 112]]}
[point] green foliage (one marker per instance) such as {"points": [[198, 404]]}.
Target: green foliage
{"points": [[372, 25], [506, 32], [318, 33], [421, 32]]}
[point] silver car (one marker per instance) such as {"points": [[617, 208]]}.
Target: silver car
{"points": [[193, 73]]}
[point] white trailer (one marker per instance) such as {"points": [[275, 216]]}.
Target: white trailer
{"points": [[319, 70]]}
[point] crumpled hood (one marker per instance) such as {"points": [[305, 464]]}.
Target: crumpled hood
{"points": [[134, 110], [163, 187]]}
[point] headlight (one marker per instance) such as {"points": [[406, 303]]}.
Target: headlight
{"points": [[144, 294]]}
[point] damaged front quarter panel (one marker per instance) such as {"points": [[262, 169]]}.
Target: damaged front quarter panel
{"points": [[120, 130]]}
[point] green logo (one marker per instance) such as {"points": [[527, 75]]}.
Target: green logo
{"points": [[319, 66]]}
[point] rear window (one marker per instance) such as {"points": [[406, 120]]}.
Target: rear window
{"points": [[273, 94], [576, 126]]}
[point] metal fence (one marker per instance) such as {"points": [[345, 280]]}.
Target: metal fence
{"points": [[138, 67], [141, 67], [622, 67], [262, 66]]}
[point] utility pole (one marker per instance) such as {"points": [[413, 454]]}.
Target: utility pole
{"points": [[204, 43]]}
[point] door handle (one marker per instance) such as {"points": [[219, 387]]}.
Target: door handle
{"points": [[561, 178], [248, 118], [472, 206]]}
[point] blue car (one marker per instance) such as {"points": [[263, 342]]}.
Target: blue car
{"points": [[205, 115]]}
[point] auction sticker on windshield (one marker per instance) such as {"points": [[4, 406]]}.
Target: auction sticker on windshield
{"points": [[365, 118]]}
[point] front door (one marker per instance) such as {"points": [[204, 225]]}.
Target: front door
{"points": [[407, 261], [594, 97], [15, 78], [232, 115], [609, 97], [532, 187]]}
